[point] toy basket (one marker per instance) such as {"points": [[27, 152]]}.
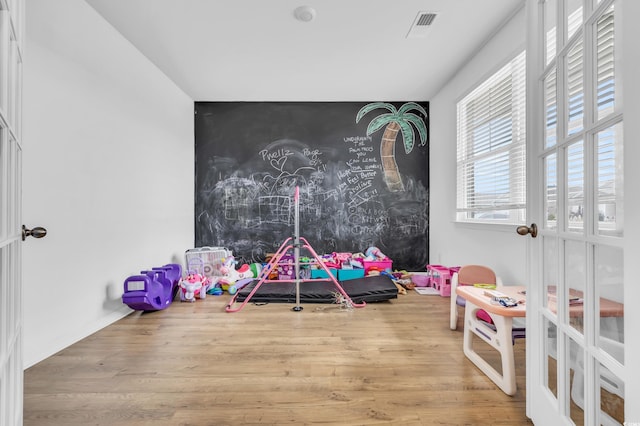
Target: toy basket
{"points": [[421, 279], [206, 260], [381, 265]]}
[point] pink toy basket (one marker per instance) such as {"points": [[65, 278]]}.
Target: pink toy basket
{"points": [[421, 279], [385, 265]]}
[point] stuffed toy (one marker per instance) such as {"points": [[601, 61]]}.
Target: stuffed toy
{"points": [[193, 285]]}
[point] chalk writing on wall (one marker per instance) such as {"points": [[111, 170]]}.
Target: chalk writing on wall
{"points": [[250, 157]]}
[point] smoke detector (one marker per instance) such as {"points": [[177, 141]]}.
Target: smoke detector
{"points": [[304, 13]]}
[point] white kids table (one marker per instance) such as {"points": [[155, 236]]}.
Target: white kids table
{"points": [[499, 338]]}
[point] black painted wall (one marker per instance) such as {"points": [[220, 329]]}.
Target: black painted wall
{"points": [[250, 156]]}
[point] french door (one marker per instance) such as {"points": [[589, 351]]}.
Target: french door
{"points": [[575, 312], [11, 369]]}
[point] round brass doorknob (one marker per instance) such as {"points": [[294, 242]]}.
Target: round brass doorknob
{"points": [[37, 232], [524, 230]]}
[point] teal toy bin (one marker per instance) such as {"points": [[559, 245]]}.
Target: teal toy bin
{"points": [[350, 274], [320, 273]]}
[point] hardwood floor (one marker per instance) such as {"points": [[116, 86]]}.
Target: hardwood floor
{"points": [[392, 362]]}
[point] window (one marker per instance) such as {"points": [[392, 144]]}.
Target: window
{"points": [[491, 161]]}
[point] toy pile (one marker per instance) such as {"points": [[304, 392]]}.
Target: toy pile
{"points": [[346, 266], [214, 270]]}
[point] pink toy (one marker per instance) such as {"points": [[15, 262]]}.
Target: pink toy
{"points": [[231, 275], [192, 286], [342, 259], [329, 261], [374, 253]]}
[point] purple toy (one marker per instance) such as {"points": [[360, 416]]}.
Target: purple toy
{"points": [[154, 289]]}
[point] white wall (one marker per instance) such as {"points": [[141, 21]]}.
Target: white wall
{"points": [[456, 244], [108, 170]]}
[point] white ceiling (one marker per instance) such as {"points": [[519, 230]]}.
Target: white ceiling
{"points": [[354, 50]]}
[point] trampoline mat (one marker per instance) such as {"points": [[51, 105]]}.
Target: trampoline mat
{"points": [[367, 289]]}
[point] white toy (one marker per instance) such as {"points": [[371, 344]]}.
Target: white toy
{"points": [[231, 275]]}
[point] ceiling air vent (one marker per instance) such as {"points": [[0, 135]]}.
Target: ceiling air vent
{"points": [[421, 24]]}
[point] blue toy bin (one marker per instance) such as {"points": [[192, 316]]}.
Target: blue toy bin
{"points": [[350, 274], [321, 273]]}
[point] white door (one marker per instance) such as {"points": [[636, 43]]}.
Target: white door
{"points": [[575, 317], [11, 370]]}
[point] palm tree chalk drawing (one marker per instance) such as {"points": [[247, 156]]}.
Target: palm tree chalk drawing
{"points": [[396, 120]]}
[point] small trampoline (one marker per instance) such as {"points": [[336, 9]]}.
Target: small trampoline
{"points": [[368, 289]]}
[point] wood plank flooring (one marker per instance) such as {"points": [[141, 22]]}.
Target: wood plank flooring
{"points": [[392, 362]]}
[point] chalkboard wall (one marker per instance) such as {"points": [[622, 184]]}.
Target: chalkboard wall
{"points": [[354, 194]]}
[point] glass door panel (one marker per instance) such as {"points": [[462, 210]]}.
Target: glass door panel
{"points": [[611, 397], [574, 17], [551, 356], [574, 77], [550, 29], [609, 180], [606, 84], [550, 259], [574, 190], [575, 279], [551, 109], [551, 192], [610, 295], [575, 397]]}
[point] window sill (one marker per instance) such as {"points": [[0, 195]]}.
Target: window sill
{"points": [[487, 226]]}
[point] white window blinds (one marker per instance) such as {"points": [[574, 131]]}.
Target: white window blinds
{"points": [[491, 164]]}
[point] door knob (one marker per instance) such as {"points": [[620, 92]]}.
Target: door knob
{"points": [[524, 230], [37, 232]]}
